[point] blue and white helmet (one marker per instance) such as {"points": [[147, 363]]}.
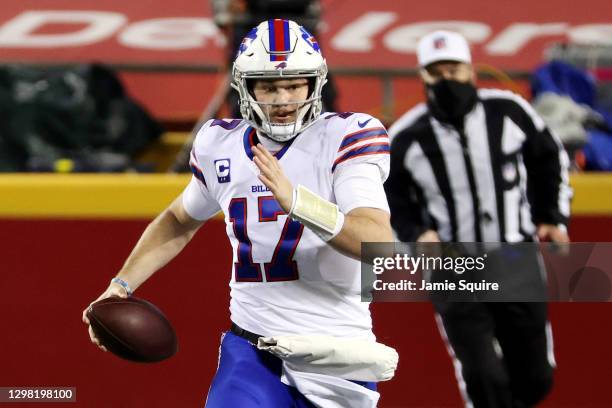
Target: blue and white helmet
{"points": [[279, 49]]}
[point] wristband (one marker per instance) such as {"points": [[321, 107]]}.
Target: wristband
{"points": [[321, 216], [123, 284]]}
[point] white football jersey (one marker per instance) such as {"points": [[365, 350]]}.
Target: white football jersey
{"points": [[285, 279]]}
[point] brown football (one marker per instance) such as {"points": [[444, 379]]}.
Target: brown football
{"points": [[133, 329]]}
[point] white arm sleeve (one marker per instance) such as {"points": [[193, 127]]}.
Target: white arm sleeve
{"points": [[359, 185], [198, 202]]}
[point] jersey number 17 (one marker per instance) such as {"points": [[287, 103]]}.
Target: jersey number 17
{"points": [[282, 267]]}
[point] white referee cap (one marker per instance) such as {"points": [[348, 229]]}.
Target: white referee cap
{"points": [[443, 46]]}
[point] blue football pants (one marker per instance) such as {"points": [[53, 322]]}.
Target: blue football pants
{"points": [[250, 378]]}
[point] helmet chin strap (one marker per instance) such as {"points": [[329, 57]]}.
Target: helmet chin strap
{"points": [[270, 144], [282, 132], [257, 114]]}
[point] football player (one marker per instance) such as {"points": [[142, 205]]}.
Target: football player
{"points": [[300, 191]]}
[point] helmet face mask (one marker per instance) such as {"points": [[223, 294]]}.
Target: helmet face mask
{"points": [[260, 57]]}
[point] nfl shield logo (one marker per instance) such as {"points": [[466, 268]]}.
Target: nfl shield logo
{"points": [[439, 43]]}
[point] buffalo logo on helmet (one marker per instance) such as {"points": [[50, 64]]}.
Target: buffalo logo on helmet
{"points": [[247, 40], [309, 38], [282, 65]]}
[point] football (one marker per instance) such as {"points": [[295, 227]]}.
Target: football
{"points": [[133, 329]]}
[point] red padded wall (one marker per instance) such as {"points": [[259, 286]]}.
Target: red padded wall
{"points": [[51, 270]]}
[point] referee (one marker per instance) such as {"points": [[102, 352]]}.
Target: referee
{"points": [[479, 165]]}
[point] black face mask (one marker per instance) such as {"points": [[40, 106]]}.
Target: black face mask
{"points": [[449, 100]]}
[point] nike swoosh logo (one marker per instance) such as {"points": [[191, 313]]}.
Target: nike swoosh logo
{"points": [[362, 124]]}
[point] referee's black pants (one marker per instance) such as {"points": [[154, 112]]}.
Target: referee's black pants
{"points": [[504, 351]]}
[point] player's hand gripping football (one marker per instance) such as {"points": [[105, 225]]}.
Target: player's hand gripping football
{"points": [[271, 174], [112, 290]]}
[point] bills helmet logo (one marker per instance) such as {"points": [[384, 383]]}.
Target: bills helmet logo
{"points": [[439, 43], [282, 65], [309, 38], [250, 37]]}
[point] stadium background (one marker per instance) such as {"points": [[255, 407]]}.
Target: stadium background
{"points": [[62, 237]]}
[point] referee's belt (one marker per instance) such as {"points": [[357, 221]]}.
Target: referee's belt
{"points": [[245, 334]]}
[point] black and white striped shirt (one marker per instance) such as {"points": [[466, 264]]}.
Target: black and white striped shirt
{"points": [[491, 181]]}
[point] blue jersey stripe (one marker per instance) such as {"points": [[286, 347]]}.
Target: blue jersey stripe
{"points": [[247, 142], [362, 134], [198, 173], [374, 148]]}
